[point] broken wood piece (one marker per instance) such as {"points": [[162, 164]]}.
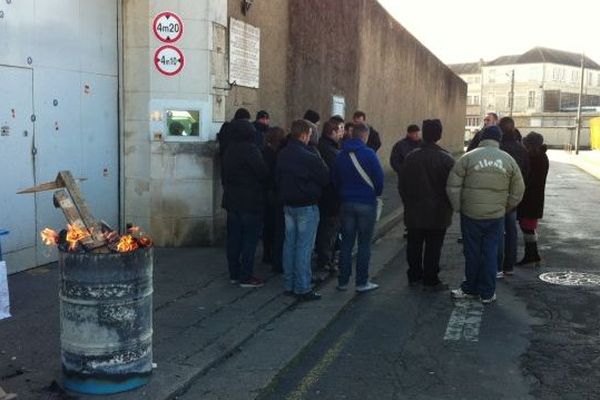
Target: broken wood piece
{"points": [[42, 187], [74, 218]]}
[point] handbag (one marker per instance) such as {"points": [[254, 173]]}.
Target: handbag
{"points": [[369, 182]]}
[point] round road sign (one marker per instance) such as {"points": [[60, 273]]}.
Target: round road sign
{"points": [[167, 27], [169, 60]]}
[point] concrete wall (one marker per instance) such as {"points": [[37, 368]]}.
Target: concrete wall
{"points": [[402, 82], [272, 17], [355, 48], [170, 185]]}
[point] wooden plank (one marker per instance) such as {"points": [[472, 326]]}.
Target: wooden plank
{"points": [[62, 198], [42, 187], [66, 179]]}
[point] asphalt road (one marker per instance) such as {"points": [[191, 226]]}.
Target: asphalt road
{"points": [[538, 341]]}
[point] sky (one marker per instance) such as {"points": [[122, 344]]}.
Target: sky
{"points": [[466, 30]]}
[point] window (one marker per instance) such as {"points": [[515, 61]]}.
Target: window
{"points": [[181, 123], [574, 76], [590, 78], [531, 99], [598, 80], [469, 100], [492, 76], [476, 100]]}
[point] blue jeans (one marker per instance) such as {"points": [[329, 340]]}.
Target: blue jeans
{"points": [[358, 220], [242, 238], [507, 253], [481, 241], [300, 230]]}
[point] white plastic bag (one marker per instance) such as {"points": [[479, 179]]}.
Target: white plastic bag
{"points": [[4, 301]]}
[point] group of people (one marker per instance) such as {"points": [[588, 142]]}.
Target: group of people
{"points": [[499, 180], [302, 191], [305, 191]]}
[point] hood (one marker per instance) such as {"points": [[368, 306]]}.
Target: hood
{"points": [[241, 130], [353, 145]]}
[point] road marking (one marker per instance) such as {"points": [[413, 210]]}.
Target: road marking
{"points": [[314, 374], [465, 321]]}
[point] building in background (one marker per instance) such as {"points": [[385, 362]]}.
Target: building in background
{"points": [[131, 95], [545, 96]]}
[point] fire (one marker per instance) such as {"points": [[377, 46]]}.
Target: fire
{"points": [[127, 243], [49, 237], [145, 241], [74, 235], [134, 230]]}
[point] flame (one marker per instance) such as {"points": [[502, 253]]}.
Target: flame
{"points": [[111, 236], [127, 243], [75, 234], [49, 237], [133, 230]]}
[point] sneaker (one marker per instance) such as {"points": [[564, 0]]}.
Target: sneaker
{"points": [[252, 283], [499, 275], [438, 287], [366, 287], [342, 288], [489, 300], [459, 294], [309, 296]]}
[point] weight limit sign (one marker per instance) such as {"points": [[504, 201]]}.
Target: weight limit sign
{"points": [[169, 60]]}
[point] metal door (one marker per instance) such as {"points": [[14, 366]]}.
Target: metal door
{"points": [[17, 212]]}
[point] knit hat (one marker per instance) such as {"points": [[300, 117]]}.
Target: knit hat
{"points": [[491, 132], [432, 130], [533, 139]]}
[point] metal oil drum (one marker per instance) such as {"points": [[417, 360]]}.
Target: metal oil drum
{"points": [[106, 320]]}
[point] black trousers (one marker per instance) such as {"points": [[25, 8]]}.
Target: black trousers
{"points": [[273, 235], [423, 251], [329, 227]]}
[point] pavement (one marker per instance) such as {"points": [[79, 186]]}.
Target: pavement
{"points": [[200, 320]]}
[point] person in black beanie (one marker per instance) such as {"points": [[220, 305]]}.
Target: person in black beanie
{"points": [[427, 210]]}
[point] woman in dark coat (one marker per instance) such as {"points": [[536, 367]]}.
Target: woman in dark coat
{"points": [[531, 208]]}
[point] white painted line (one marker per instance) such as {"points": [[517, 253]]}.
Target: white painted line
{"points": [[465, 321]]}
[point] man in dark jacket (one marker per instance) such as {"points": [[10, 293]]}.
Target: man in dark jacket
{"points": [[374, 140], [224, 135], [329, 204], [490, 119], [507, 253], [301, 176], [358, 177], [427, 210], [244, 176], [261, 124], [404, 146]]}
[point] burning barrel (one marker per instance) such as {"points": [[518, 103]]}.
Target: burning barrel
{"points": [[106, 320]]}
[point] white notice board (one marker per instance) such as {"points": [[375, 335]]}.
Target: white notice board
{"points": [[244, 53]]}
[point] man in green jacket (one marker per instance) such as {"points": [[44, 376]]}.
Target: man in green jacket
{"points": [[483, 186]]}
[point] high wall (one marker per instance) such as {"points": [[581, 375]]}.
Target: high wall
{"points": [[356, 49], [402, 82]]}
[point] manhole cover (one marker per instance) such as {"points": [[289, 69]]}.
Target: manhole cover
{"points": [[570, 278]]}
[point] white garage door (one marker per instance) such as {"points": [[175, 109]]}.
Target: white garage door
{"points": [[60, 64]]}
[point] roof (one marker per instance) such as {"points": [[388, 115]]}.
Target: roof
{"points": [[545, 55], [466, 68]]}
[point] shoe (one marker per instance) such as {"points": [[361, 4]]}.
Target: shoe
{"points": [[499, 275], [342, 288], [309, 296], [438, 287], [366, 287], [489, 300], [252, 283], [509, 272], [459, 294]]}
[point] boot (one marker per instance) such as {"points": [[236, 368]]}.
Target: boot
{"points": [[531, 251]]}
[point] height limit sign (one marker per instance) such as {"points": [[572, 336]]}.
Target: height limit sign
{"points": [[167, 27], [168, 60]]}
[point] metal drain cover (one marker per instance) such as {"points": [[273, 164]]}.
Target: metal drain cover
{"points": [[570, 278]]}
